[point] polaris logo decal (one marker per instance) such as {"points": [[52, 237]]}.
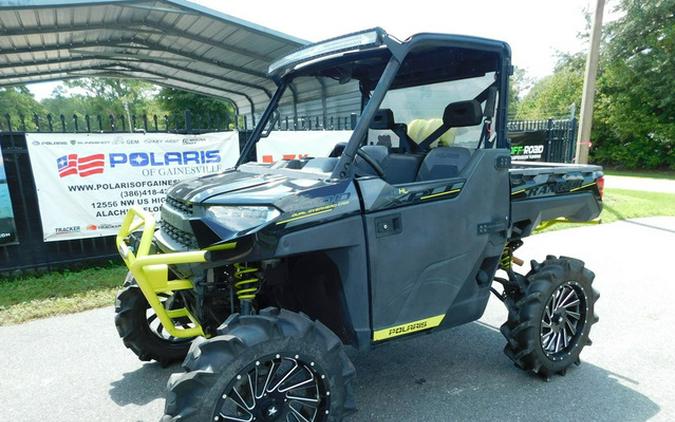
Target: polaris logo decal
{"points": [[152, 159], [408, 328]]}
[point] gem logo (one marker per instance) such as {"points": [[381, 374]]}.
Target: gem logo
{"points": [[71, 164], [91, 227]]}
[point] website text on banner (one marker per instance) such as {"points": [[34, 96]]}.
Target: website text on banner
{"points": [[87, 182]]}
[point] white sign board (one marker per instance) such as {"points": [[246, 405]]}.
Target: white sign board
{"points": [[86, 182], [287, 145]]}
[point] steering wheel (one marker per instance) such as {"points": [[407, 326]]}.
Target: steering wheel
{"points": [[372, 163]]}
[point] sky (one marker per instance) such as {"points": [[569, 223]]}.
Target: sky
{"points": [[535, 29]]}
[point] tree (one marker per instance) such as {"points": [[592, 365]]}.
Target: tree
{"points": [[519, 82], [206, 111], [16, 102], [554, 95], [634, 121], [117, 97]]}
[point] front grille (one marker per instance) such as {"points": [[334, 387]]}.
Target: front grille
{"points": [[179, 205], [184, 238]]}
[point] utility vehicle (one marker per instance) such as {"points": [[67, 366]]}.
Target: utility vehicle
{"points": [[259, 276]]}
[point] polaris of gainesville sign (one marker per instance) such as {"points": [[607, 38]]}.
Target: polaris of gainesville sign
{"points": [[87, 182]]}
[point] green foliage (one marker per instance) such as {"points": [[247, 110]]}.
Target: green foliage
{"points": [[202, 108], [634, 116], [18, 101], [517, 84], [554, 95]]}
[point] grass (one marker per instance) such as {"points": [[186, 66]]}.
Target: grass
{"points": [[653, 174], [55, 293], [621, 204], [73, 291]]}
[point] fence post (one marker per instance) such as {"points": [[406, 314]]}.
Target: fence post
{"points": [[154, 120], [50, 124], [166, 122], [188, 120], [63, 123], [549, 136], [112, 122], [352, 118], [75, 125], [145, 122], [87, 121], [133, 123], [571, 140], [124, 123], [36, 120], [22, 120], [9, 122]]}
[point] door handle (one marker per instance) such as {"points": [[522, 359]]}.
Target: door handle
{"points": [[388, 225]]}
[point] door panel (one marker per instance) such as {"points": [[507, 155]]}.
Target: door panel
{"points": [[424, 262]]}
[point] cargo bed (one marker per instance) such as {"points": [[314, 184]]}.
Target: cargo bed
{"points": [[548, 191]]}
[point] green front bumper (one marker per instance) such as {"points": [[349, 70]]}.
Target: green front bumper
{"points": [[151, 271]]}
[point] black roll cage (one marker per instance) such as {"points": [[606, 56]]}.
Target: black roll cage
{"points": [[399, 50]]}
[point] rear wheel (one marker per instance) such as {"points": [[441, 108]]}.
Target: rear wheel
{"points": [[275, 366], [140, 328], [550, 320]]}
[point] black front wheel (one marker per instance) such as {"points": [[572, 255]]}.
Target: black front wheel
{"points": [[275, 366], [550, 321], [140, 328]]}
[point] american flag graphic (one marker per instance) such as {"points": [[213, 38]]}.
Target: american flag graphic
{"points": [[82, 166]]}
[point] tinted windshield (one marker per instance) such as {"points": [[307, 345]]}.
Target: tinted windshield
{"points": [[420, 108], [303, 127]]}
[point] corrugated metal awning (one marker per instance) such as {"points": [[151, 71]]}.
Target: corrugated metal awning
{"points": [[171, 43]]}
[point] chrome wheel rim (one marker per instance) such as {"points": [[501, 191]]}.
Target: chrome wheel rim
{"points": [[169, 301], [563, 320], [276, 388]]}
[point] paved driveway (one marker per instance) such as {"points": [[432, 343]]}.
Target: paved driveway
{"points": [[647, 184], [74, 368]]}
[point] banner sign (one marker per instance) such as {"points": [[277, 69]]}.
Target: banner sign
{"points": [[7, 226], [528, 146], [86, 182], [287, 145]]}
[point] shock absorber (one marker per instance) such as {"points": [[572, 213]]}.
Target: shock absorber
{"points": [[246, 286]]}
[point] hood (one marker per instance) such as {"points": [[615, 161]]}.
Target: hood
{"points": [[251, 184]]}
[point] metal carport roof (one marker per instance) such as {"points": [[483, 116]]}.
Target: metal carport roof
{"points": [[172, 43]]}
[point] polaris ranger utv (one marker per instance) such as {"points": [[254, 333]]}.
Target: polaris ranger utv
{"points": [[259, 276]]}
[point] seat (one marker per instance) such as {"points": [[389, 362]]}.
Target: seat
{"points": [[443, 163], [385, 131], [398, 168]]}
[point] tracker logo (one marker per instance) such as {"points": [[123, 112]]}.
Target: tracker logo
{"points": [[152, 159], [72, 164]]}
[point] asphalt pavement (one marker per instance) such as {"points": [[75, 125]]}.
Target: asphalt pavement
{"points": [[75, 368]]}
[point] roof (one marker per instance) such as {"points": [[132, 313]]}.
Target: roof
{"points": [[172, 43]]}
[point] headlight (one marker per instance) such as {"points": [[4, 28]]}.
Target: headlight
{"points": [[242, 218]]}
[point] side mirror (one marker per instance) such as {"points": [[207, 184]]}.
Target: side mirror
{"points": [[462, 114]]}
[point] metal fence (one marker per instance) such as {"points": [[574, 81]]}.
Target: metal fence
{"points": [[34, 254], [557, 135]]}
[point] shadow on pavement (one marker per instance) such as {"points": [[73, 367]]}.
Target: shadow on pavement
{"points": [[143, 385], [459, 374], [462, 374]]}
